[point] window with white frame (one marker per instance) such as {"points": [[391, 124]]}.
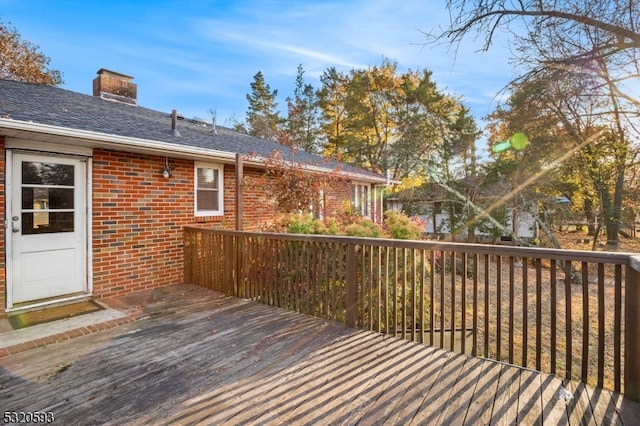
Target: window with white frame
{"points": [[208, 190], [361, 198]]}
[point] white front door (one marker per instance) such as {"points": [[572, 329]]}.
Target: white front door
{"points": [[48, 227]]}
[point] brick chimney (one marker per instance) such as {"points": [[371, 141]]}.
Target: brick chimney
{"points": [[114, 86]]}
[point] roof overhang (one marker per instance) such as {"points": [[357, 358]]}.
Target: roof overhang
{"points": [[83, 138], [56, 134]]}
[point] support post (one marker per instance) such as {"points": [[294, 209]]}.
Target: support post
{"points": [[632, 331], [229, 265], [239, 192], [352, 286]]}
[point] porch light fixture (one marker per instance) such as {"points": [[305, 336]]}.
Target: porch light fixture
{"points": [[166, 173]]}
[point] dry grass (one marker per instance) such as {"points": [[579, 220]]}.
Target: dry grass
{"points": [[513, 341]]}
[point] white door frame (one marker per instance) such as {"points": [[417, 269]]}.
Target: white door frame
{"points": [[70, 153]]}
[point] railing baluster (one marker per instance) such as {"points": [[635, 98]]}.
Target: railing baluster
{"points": [[326, 282], [538, 314], [362, 288], [525, 310], [432, 297], [474, 349], [405, 271], [423, 264], [617, 329], [453, 300], [601, 324], [568, 274], [463, 304], [586, 315], [414, 294], [352, 287], [395, 291], [552, 311], [511, 303], [374, 307], [385, 291], [378, 294], [443, 268], [499, 308], [372, 287], [487, 329]]}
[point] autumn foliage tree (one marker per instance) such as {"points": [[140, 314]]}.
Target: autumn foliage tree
{"points": [[293, 188], [384, 120], [21, 60], [592, 46]]}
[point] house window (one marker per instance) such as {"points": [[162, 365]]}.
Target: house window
{"points": [[361, 198], [208, 190]]}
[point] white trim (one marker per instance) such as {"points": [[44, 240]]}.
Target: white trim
{"points": [[103, 140], [205, 213], [63, 150], [48, 302], [45, 147], [147, 146], [89, 224], [8, 244]]}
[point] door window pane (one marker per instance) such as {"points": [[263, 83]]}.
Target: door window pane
{"points": [[34, 198], [47, 174], [47, 198], [46, 222]]}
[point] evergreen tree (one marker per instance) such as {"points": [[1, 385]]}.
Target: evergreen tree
{"points": [[302, 116], [263, 119]]}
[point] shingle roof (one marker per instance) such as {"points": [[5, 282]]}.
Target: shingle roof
{"points": [[48, 105]]}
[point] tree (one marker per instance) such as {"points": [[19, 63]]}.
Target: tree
{"points": [[596, 41], [292, 188], [302, 121], [585, 33], [263, 119], [21, 60], [384, 121]]}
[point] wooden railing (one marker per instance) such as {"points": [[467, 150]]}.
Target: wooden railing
{"points": [[575, 314]]}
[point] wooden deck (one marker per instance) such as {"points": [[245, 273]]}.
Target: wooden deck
{"points": [[200, 358]]}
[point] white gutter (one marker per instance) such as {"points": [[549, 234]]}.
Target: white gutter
{"points": [[110, 141], [104, 140]]}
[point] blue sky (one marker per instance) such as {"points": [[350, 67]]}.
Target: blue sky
{"points": [[196, 55]]}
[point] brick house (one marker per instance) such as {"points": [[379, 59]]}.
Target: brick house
{"points": [[96, 190]]}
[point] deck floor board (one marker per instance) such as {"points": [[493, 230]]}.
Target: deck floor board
{"points": [[198, 357]]}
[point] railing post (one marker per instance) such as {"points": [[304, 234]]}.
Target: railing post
{"points": [[632, 331], [187, 264], [352, 286], [229, 265]]}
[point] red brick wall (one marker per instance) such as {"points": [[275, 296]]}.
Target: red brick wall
{"points": [[258, 208], [334, 200], [138, 217]]}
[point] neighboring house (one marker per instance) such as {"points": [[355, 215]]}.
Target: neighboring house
{"points": [[433, 212], [97, 190]]}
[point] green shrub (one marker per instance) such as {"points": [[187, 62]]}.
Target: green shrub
{"points": [[401, 227], [364, 228], [396, 225]]}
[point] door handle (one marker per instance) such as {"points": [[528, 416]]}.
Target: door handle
{"points": [[14, 229]]}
